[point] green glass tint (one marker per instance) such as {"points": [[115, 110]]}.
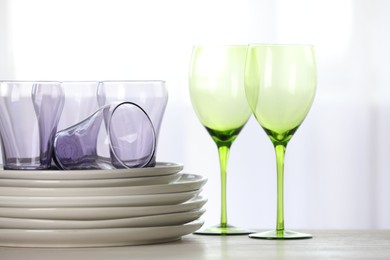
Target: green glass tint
{"points": [[280, 85], [218, 97], [217, 86]]}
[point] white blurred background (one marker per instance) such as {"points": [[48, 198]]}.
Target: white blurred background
{"points": [[337, 166]]}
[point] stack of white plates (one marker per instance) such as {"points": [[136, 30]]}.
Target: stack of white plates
{"points": [[99, 207]]}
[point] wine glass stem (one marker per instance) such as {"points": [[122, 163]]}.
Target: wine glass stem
{"points": [[280, 152], [223, 152]]}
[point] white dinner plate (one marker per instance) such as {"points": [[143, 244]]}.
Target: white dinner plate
{"points": [[164, 179], [95, 237], [101, 213], [187, 182], [161, 168], [146, 221], [98, 201]]}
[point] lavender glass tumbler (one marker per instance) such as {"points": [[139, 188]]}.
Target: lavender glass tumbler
{"points": [[80, 102], [118, 135], [151, 95], [29, 114]]}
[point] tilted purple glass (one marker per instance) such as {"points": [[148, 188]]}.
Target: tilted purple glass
{"points": [[151, 95], [29, 114], [118, 135]]}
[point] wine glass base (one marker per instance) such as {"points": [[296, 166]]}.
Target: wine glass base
{"points": [[228, 230], [283, 234]]}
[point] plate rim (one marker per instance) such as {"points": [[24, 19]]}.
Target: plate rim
{"points": [[85, 183], [130, 222], [126, 200], [103, 236], [161, 168], [194, 203], [186, 182]]}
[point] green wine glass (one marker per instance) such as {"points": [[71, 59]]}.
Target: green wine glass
{"points": [[217, 93], [280, 85]]}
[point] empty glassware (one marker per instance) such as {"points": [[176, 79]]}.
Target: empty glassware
{"points": [[151, 95], [80, 102], [118, 135], [29, 114]]}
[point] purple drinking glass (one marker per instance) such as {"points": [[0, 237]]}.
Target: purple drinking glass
{"points": [[29, 115], [151, 95], [80, 102], [118, 135]]}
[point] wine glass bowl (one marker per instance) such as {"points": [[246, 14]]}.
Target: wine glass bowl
{"points": [[216, 80], [280, 85]]}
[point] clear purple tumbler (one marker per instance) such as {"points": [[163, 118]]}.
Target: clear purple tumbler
{"points": [[29, 114]]}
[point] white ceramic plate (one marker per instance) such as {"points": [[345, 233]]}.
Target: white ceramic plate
{"points": [[101, 213], [146, 221], [95, 237], [91, 213], [98, 201], [187, 182], [164, 179], [161, 168]]}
